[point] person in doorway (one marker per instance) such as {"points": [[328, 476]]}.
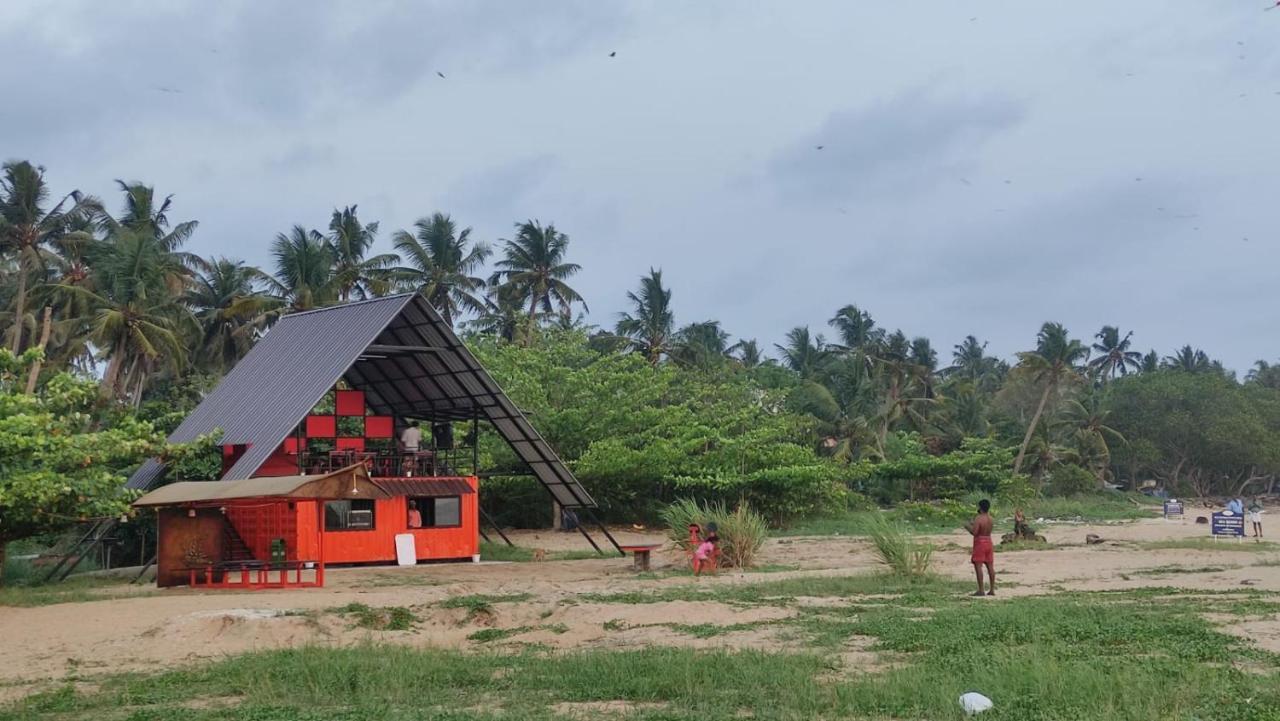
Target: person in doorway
{"points": [[415, 516], [411, 437], [984, 552], [1255, 516]]}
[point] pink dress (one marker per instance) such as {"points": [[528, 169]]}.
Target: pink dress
{"points": [[704, 551]]}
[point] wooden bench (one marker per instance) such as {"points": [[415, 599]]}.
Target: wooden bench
{"points": [[640, 555]]}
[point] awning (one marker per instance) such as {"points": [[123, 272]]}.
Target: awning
{"points": [[425, 487], [350, 482]]}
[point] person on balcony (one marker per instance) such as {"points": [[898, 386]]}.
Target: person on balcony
{"points": [[411, 437]]}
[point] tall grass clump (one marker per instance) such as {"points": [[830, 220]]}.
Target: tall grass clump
{"points": [[742, 531], [899, 550]]}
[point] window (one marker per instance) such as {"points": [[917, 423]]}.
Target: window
{"points": [[355, 515], [436, 512]]}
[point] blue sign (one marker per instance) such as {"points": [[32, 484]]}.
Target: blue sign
{"points": [[1226, 523], [1172, 508]]}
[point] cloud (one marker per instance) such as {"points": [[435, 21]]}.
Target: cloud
{"points": [[909, 142]]}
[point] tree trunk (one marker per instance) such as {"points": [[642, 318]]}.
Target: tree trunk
{"points": [[20, 308], [44, 341], [112, 375], [1031, 428]]}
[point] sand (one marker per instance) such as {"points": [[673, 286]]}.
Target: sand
{"points": [[168, 628]]}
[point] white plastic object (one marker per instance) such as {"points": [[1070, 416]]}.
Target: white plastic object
{"points": [[975, 703], [406, 550]]}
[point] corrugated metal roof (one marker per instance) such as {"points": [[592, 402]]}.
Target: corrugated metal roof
{"points": [[350, 482], [398, 350], [425, 487]]}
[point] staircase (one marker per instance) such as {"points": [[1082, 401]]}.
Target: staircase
{"points": [[234, 547]]}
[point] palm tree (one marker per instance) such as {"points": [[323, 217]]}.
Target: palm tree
{"points": [[701, 345], [747, 353], [353, 273], [856, 328], [1054, 362], [806, 355], [1265, 374], [1150, 362], [503, 316], [68, 270], [650, 326], [1086, 418], [1114, 356], [533, 265], [1188, 360], [304, 270], [970, 363], [27, 228], [227, 303], [442, 263]]}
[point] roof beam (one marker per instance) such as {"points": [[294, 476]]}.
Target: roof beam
{"points": [[379, 349]]}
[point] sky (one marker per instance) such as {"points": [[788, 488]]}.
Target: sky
{"points": [[958, 168]]}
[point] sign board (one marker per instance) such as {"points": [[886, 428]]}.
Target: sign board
{"points": [[1226, 523], [1172, 509], [407, 552]]}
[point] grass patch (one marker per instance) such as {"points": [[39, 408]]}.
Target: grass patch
{"points": [[899, 551], [387, 618], [783, 591], [1172, 570], [76, 589], [1119, 656], [520, 554], [1025, 546]]}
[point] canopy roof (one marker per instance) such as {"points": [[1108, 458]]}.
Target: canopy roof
{"points": [[398, 350], [349, 482]]}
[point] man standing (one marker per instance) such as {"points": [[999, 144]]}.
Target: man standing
{"points": [[1236, 506], [1255, 516], [984, 552], [411, 437]]}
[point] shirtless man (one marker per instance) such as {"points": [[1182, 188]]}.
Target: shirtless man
{"points": [[983, 550]]}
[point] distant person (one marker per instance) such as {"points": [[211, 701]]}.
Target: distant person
{"points": [[984, 552], [411, 437], [1236, 506], [1255, 516], [415, 516], [442, 434], [704, 555]]}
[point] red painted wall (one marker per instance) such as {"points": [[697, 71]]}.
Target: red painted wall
{"points": [[257, 526]]}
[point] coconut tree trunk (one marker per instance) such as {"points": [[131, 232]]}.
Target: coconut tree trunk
{"points": [[1031, 429], [47, 326], [112, 375], [20, 309]]}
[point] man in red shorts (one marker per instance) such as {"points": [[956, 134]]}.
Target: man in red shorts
{"points": [[984, 552]]}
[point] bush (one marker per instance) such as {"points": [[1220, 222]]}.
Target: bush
{"points": [[898, 550], [742, 531], [1068, 480]]}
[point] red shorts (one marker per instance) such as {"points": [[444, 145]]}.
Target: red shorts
{"points": [[983, 550]]}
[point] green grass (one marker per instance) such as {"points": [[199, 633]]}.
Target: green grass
{"points": [[520, 554], [1208, 544], [1120, 656], [783, 591], [78, 588], [388, 618]]}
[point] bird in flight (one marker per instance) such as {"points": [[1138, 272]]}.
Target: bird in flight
{"points": [[440, 74], [164, 89], [613, 54], [819, 147]]}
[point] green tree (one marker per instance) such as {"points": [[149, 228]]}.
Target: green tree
{"points": [[226, 299], [701, 345], [59, 466], [533, 266], [803, 353], [1054, 362], [651, 324], [970, 363], [856, 329], [28, 227], [1265, 374], [303, 279], [442, 265], [747, 353], [1114, 354], [355, 273]]}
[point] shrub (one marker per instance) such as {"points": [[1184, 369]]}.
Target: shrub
{"points": [[898, 550], [742, 531], [1067, 480]]}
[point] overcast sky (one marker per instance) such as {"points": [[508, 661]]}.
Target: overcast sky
{"points": [[985, 166]]}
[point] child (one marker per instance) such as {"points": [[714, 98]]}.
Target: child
{"points": [[704, 556], [983, 550]]}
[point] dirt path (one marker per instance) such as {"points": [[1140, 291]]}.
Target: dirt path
{"points": [[176, 626]]}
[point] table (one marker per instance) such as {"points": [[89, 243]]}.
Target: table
{"points": [[640, 555]]}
